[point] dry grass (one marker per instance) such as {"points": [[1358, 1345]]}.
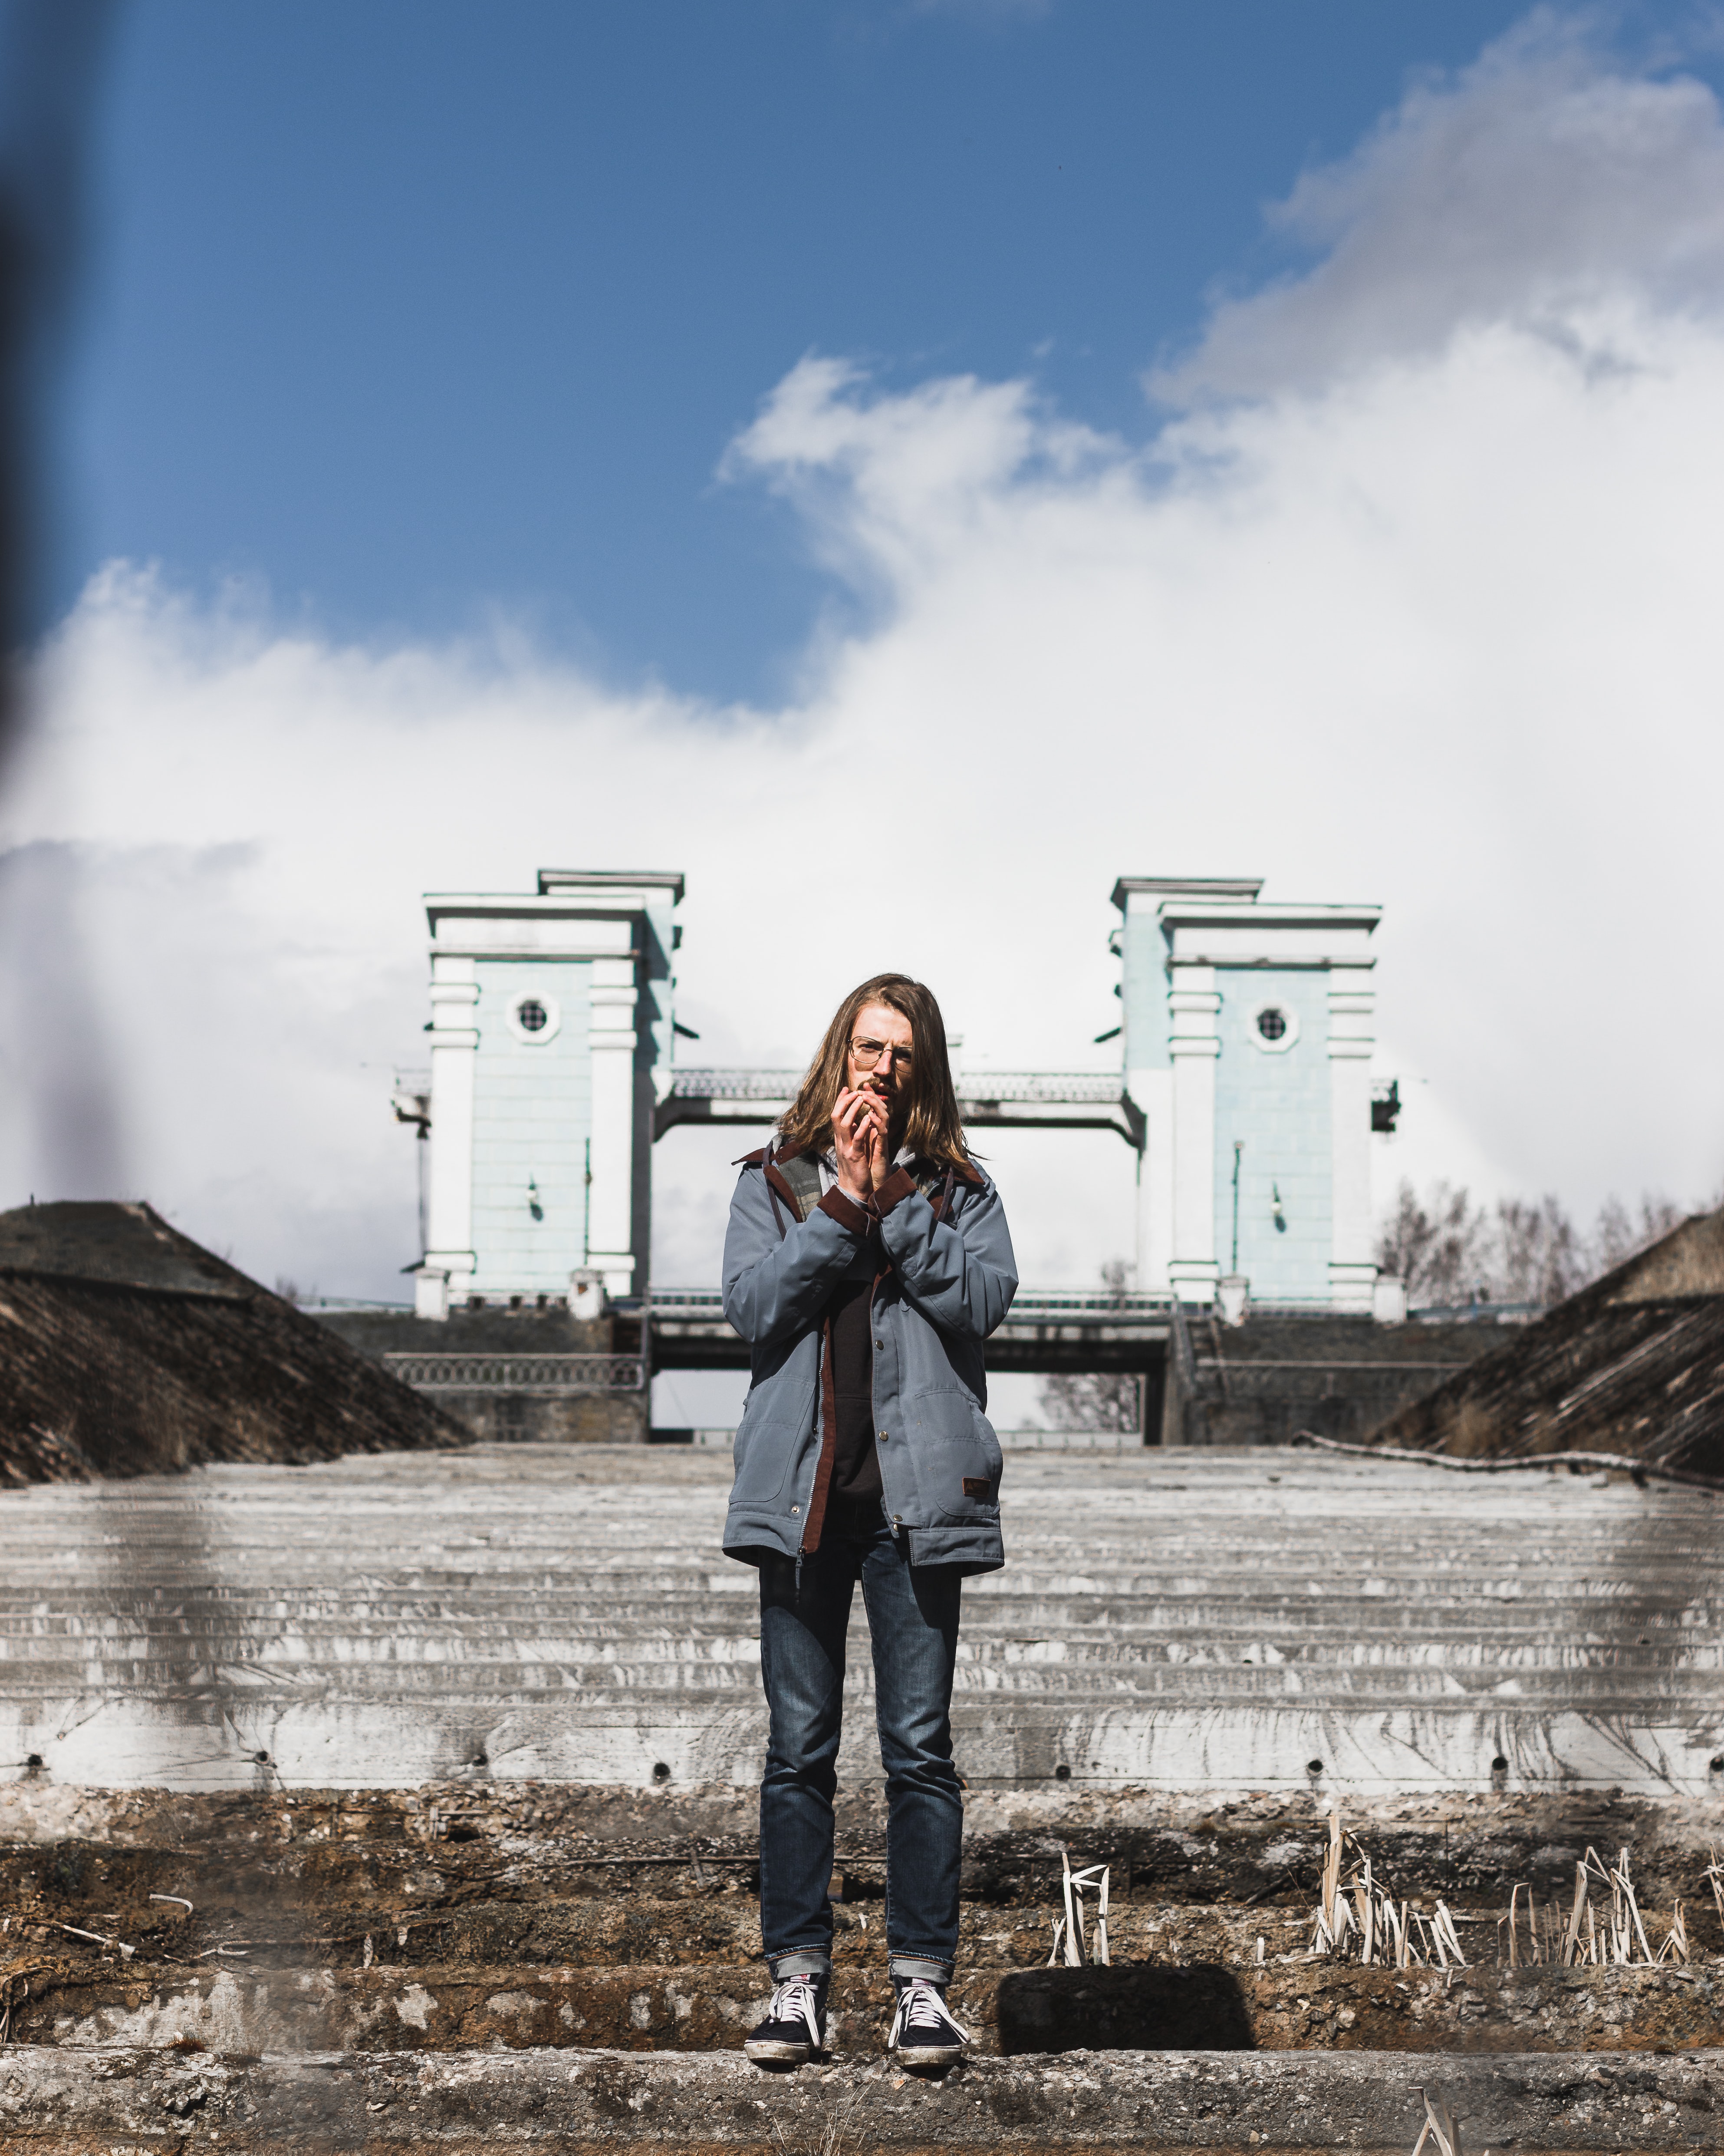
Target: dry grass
{"points": [[833, 2131], [1082, 1952], [15, 1988], [1360, 1919], [1471, 1434], [1689, 1262], [1543, 1433], [1441, 2127], [1603, 1927], [1357, 1916]]}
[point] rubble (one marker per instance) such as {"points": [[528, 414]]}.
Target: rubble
{"points": [[516, 1915]]}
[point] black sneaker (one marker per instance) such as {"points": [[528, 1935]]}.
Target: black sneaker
{"points": [[923, 2033], [795, 2026]]}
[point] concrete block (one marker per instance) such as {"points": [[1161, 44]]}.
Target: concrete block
{"points": [[73, 2104]]}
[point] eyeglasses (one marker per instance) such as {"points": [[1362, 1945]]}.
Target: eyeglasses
{"points": [[867, 1053]]}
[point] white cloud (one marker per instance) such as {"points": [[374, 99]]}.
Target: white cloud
{"points": [[1428, 620], [1537, 184]]}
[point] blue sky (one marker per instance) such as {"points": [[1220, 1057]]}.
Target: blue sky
{"points": [[409, 311], [513, 436]]}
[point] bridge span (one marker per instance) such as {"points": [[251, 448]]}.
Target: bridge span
{"points": [[987, 1100], [1048, 1330]]}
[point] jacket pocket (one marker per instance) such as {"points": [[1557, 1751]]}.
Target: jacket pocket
{"points": [[990, 1443], [762, 1452], [957, 1457]]}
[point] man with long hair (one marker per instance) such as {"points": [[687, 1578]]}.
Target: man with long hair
{"points": [[866, 1261]]}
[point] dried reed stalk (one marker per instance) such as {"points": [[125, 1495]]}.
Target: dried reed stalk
{"points": [[1571, 1938], [1069, 1929], [1441, 2126], [1619, 1941], [1359, 1906]]}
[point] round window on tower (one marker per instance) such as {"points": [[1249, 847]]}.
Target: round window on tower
{"points": [[534, 1018], [1273, 1027]]}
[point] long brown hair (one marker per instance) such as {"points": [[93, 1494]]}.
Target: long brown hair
{"points": [[932, 1128]]}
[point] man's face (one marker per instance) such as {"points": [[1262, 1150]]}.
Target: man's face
{"points": [[881, 1043]]}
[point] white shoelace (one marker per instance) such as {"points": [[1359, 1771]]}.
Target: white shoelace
{"points": [[919, 2006], [796, 1998]]}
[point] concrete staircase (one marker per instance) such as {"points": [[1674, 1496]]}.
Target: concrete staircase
{"points": [[558, 1967], [403, 1805], [563, 2103], [1257, 1620]]}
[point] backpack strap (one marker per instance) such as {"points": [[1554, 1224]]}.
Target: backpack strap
{"points": [[778, 1216], [794, 1177]]}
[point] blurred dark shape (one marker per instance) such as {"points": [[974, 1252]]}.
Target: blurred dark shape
{"points": [[51, 53], [1196, 2006], [55, 1059]]}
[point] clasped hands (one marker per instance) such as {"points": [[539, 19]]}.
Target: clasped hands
{"points": [[859, 1142]]}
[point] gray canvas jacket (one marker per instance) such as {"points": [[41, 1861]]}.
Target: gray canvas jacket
{"points": [[944, 1278]]}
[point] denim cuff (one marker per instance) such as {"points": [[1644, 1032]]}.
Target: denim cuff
{"points": [[799, 1961], [903, 1968]]}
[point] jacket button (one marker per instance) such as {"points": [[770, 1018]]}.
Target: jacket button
{"points": [[882, 1437], [796, 1508], [879, 1343]]}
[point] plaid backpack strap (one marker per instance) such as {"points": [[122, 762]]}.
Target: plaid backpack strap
{"points": [[795, 1179], [801, 1173]]}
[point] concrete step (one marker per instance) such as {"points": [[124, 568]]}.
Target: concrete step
{"points": [[222, 1739], [496, 1966], [66, 2102], [1090, 1647], [689, 1561], [725, 1688], [1339, 1615], [565, 1611], [1162, 1604], [310, 1863], [247, 2007]]}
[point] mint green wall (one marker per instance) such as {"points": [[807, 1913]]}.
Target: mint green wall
{"points": [[1279, 1104], [1143, 993], [532, 1107]]}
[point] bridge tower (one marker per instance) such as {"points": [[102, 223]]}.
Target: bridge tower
{"points": [[551, 1015], [1248, 1035]]}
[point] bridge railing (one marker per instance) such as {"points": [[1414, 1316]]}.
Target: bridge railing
{"points": [[1076, 1304], [1053, 1100], [1076, 1088], [519, 1373]]}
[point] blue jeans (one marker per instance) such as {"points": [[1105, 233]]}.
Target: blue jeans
{"points": [[912, 1621]]}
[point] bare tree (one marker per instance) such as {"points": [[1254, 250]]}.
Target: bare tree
{"points": [[1095, 1399], [1619, 1236], [1449, 1250], [1438, 1248], [1092, 1399], [1539, 1256]]}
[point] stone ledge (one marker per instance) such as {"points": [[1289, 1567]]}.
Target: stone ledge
{"points": [[1316, 2008], [61, 2102]]}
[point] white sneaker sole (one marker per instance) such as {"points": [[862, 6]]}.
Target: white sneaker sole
{"points": [[929, 2055], [772, 2051]]}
